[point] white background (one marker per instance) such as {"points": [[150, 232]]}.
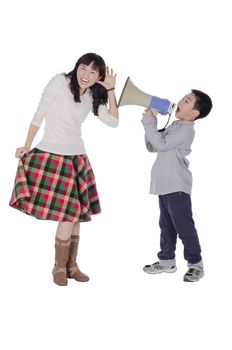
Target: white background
{"points": [[167, 48]]}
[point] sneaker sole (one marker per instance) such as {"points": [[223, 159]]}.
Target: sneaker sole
{"points": [[156, 272]]}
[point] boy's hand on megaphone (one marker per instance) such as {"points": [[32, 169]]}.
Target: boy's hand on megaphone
{"points": [[150, 112]]}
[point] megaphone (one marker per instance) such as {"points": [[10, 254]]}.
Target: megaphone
{"points": [[131, 95]]}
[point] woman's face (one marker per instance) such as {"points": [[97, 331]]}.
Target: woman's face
{"points": [[86, 76]]}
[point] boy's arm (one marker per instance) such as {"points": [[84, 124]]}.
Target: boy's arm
{"points": [[161, 141], [149, 146], [152, 113]]}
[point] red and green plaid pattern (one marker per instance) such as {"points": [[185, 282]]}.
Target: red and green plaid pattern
{"points": [[55, 187]]}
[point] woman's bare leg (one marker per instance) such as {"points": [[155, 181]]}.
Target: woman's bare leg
{"points": [[64, 230]]}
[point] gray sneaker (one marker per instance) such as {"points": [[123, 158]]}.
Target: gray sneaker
{"points": [[193, 274], [157, 267]]}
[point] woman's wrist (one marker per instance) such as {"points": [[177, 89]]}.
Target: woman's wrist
{"points": [[111, 89]]}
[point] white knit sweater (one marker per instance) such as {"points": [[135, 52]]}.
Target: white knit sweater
{"points": [[63, 117]]}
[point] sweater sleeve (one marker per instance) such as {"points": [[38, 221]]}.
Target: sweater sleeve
{"points": [[48, 96], [164, 141], [107, 118]]}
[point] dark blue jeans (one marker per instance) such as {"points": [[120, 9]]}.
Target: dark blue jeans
{"points": [[176, 220]]}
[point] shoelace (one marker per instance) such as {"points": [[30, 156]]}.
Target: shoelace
{"points": [[158, 266]]}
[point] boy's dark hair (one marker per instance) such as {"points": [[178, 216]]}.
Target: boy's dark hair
{"points": [[203, 103]]}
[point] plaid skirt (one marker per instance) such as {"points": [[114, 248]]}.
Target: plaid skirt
{"points": [[55, 187]]}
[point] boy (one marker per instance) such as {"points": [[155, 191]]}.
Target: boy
{"points": [[172, 181]]}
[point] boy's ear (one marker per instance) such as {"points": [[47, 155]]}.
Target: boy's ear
{"points": [[195, 113]]}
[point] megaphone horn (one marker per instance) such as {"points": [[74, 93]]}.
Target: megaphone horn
{"points": [[131, 95]]}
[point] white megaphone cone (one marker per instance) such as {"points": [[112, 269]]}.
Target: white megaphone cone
{"points": [[131, 95]]}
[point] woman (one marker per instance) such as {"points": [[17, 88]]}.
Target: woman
{"points": [[55, 181]]}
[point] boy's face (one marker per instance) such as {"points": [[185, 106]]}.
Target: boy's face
{"points": [[185, 108]]}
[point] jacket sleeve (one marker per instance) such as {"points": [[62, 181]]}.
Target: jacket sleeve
{"points": [[107, 118], [48, 96], [164, 141]]}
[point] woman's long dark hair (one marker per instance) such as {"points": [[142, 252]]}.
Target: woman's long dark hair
{"points": [[98, 91]]}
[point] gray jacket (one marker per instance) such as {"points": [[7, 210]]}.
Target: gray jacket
{"points": [[170, 171]]}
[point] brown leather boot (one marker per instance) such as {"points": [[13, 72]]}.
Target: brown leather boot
{"points": [[73, 270], [61, 257]]}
